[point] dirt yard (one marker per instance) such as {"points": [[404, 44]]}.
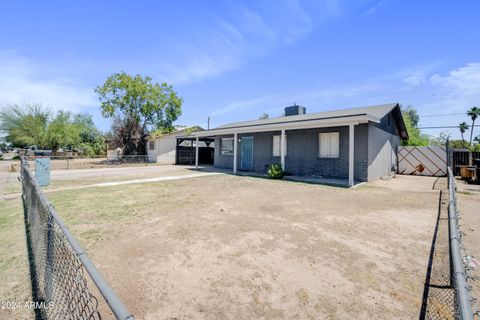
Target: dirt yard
{"points": [[468, 197], [225, 247], [229, 247]]}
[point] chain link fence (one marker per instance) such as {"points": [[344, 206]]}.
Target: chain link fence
{"points": [[61, 272], [446, 294], [111, 161]]}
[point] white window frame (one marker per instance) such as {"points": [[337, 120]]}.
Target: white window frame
{"points": [[330, 137], [222, 144], [274, 153], [150, 144]]}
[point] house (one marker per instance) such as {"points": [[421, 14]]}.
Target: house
{"points": [[357, 144], [163, 148]]}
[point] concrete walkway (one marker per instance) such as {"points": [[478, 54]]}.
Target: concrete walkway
{"points": [[117, 183]]}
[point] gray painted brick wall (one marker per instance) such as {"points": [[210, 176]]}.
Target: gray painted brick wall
{"points": [[382, 152], [302, 153]]}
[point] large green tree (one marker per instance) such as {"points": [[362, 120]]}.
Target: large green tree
{"points": [[138, 106], [92, 140], [412, 115], [24, 124], [32, 125], [415, 137], [62, 132]]}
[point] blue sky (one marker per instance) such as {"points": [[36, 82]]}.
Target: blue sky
{"points": [[235, 60]]}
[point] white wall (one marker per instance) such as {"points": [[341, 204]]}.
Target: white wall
{"points": [[165, 150]]}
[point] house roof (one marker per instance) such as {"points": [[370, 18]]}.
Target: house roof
{"points": [[179, 131], [336, 117], [375, 111]]}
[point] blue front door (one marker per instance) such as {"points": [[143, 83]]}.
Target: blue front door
{"points": [[246, 157]]}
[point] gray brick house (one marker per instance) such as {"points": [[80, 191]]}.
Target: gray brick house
{"points": [[357, 144]]}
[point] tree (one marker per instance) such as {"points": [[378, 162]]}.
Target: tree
{"points": [[92, 140], [32, 125], [473, 113], [264, 116], [135, 103], [24, 124], [62, 132], [460, 144], [440, 140], [413, 115], [463, 126], [415, 137]]}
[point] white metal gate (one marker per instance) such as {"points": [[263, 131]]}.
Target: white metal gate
{"points": [[425, 161]]}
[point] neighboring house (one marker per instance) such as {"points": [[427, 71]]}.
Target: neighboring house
{"points": [[162, 149], [355, 144]]}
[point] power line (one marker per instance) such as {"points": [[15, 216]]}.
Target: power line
{"points": [[442, 114], [446, 127]]}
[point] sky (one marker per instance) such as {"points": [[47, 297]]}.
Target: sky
{"points": [[235, 60]]}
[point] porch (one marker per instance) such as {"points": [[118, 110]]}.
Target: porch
{"points": [[344, 183], [341, 164]]}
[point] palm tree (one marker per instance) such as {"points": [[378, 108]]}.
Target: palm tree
{"points": [[473, 113], [463, 127]]}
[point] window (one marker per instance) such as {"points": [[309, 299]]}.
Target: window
{"points": [[151, 145], [226, 146], [276, 146], [329, 145]]}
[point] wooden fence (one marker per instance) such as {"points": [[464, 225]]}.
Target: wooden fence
{"points": [[461, 157]]}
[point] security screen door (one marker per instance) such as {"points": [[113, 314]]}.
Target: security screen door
{"points": [[246, 160]]}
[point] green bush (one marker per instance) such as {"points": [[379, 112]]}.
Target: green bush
{"points": [[275, 171], [16, 157]]}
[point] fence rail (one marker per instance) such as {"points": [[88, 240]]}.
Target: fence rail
{"points": [[462, 298], [59, 265], [75, 162]]}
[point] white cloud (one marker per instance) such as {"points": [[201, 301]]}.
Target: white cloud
{"points": [[228, 44], [464, 80], [416, 79], [245, 104], [375, 7], [454, 92], [22, 81]]}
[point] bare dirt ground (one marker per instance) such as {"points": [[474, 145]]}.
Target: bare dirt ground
{"points": [[229, 247], [468, 197], [225, 247]]}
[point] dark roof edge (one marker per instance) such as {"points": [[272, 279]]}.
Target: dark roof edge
{"points": [[397, 112], [288, 121]]}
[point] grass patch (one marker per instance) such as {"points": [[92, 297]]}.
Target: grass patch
{"points": [[14, 270]]}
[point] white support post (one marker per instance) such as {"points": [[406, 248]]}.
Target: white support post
{"points": [[196, 153], [235, 143], [351, 150], [282, 149]]}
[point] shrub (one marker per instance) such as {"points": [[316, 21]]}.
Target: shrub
{"points": [[17, 157], [275, 171]]}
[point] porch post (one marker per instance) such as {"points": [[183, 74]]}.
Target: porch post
{"points": [[282, 149], [196, 152], [351, 154], [235, 138]]}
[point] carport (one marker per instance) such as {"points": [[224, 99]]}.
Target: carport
{"points": [[186, 150]]}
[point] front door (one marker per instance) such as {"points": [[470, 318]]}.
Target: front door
{"points": [[246, 158]]}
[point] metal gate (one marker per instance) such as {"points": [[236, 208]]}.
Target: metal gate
{"points": [[425, 161]]}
